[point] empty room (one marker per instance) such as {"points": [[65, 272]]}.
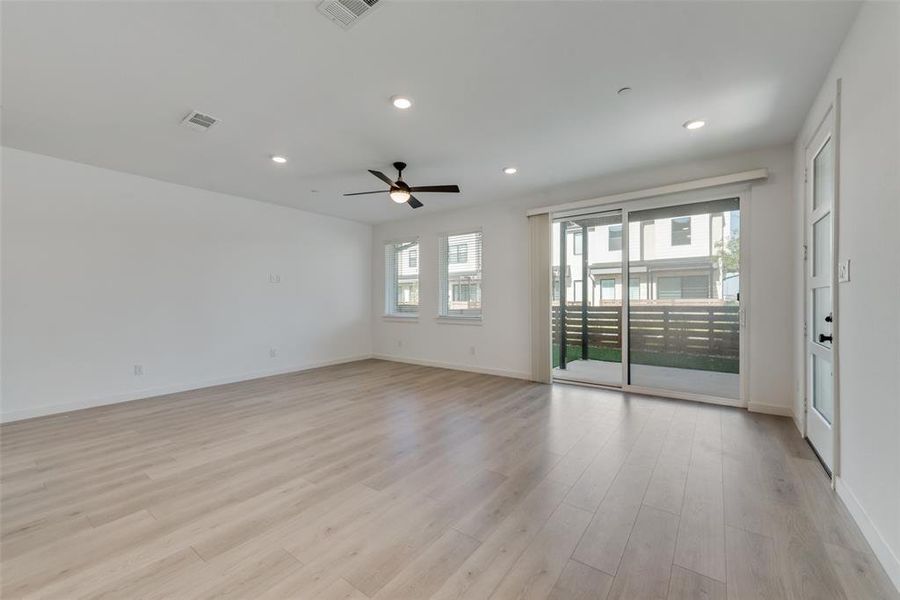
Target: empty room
{"points": [[450, 299]]}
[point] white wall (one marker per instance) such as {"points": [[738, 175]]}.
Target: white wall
{"points": [[502, 342], [868, 326], [103, 270]]}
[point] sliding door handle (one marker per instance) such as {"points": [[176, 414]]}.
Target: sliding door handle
{"points": [[824, 338]]}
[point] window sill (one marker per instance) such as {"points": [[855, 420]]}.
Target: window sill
{"points": [[459, 320], [401, 318]]}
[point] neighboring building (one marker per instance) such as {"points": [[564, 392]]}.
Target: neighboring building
{"points": [[463, 274], [671, 258], [408, 278]]}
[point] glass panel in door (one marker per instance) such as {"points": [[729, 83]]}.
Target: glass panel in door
{"points": [[587, 298], [820, 382], [684, 313]]}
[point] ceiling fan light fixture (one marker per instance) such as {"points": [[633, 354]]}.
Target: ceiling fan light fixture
{"points": [[399, 196], [401, 102]]}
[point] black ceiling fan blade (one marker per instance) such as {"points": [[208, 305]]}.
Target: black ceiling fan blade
{"points": [[382, 177], [454, 189], [413, 202], [364, 193]]}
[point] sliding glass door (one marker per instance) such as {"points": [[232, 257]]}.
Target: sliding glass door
{"points": [[587, 298], [675, 313], [683, 317]]}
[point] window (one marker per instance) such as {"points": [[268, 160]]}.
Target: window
{"points": [[681, 231], [688, 286], [634, 289], [556, 284], [615, 238], [607, 289], [401, 278], [458, 253], [460, 275], [577, 293], [576, 243], [466, 292]]}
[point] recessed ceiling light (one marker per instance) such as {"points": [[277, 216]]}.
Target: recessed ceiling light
{"points": [[623, 91], [401, 102], [510, 170], [694, 124], [279, 159]]}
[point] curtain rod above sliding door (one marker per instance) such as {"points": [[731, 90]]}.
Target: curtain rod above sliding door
{"points": [[674, 188]]}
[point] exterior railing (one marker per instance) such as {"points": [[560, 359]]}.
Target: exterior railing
{"points": [[657, 326]]}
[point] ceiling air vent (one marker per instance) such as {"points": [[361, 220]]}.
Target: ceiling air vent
{"points": [[346, 12], [199, 121]]}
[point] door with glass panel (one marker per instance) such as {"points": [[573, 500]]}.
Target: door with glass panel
{"points": [[684, 319], [820, 179], [587, 297]]}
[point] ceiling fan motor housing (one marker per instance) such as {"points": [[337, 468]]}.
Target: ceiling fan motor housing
{"points": [[401, 192]]}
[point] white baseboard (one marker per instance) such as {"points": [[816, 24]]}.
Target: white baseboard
{"points": [[771, 409], [52, 409], [798, 423], [880, 548], [454, 366]]}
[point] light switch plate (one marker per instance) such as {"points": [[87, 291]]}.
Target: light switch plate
{"points": [[844, 271]]}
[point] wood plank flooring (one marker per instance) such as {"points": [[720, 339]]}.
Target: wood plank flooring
{"points": [[388, 481]]}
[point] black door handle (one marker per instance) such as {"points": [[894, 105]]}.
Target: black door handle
{"points": [[828, 319], [824, 338]]}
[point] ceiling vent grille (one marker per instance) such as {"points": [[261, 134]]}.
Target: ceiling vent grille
{"points": [[345, 12], [199, 121]]}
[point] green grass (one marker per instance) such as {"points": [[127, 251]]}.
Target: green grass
{"points": [[680, 361]]}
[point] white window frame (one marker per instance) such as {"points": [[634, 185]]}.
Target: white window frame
{"points": [[443, 288], [391, 284]]}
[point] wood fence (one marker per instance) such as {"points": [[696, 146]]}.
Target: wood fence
{"points": [[697, 330]]}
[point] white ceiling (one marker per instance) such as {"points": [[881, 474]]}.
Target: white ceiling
{"points": [[531, 84]]}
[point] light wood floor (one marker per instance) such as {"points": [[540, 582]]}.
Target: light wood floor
{"points": [[382, 480]]}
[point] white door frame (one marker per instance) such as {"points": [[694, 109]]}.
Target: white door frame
{"points": [[740, 191], [827, 129]]}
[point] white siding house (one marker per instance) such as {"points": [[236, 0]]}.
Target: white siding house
{"points": [[670, 258]]}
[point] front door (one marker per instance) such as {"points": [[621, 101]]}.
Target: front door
{"points": [[820, 186]]}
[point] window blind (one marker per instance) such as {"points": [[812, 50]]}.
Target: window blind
{"points": [[401, 285], [460, 275]]}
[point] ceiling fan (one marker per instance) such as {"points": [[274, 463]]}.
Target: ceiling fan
{"points": [[400, 192]]}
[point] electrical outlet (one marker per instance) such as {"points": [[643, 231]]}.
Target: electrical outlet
{"points": [[844, 271], [273, 352], [138, 370]]}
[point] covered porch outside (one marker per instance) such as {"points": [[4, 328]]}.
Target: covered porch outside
{"points": [[687, 346]]}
